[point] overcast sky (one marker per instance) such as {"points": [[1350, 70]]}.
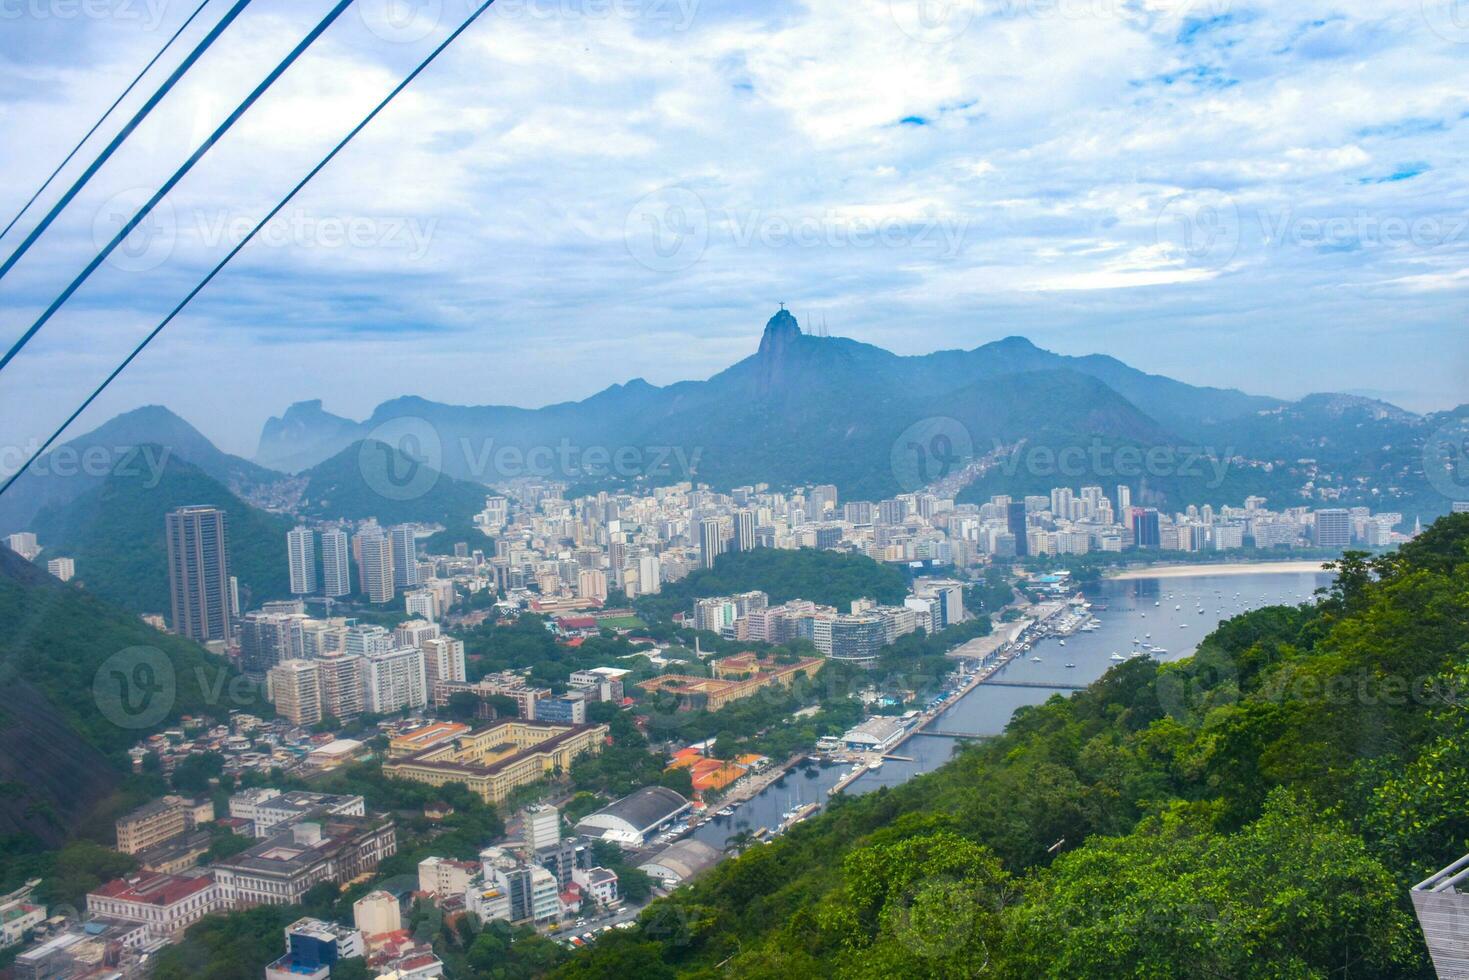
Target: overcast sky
{"points": [[1270, 196]]}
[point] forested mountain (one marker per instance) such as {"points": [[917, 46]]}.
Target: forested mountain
{"points": [[115, 531], [83, 682], [1260, 809], [134, 443], [374, 479], [809, 409]]}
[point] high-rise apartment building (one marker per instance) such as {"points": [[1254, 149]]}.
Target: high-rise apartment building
{"points": [[301, 554], [198, 572], [1015, 523], [591, 583], [744, 530], [376, 555], [650, 575], [394, 680], [295, 686], [443, 660], [336, 563], [711, 543], [1333, 528], [267, 639], [341, 686], [1147, 531], [405, 556]]}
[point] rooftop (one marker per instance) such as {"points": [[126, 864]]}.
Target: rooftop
{"points": [[152, 888]]}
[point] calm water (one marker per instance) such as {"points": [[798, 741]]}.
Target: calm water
{"points": [[1165, 608]]}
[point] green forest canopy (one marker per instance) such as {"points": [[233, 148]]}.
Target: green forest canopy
{"points": [[1260, 809]]}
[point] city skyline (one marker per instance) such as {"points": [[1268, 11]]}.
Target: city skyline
{"points": [[1346, 226]]}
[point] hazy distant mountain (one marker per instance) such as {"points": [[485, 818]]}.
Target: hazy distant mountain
{"points": [[114, 530], [72, 468], [373, 479], [305, 435], [800, 408]]}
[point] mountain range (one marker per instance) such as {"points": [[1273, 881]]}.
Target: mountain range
{"points": [[801, 409]]}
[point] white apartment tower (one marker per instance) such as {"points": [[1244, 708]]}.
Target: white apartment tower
{"points": [[336, 563], [301, 552], [377, 566], [405, 556]]}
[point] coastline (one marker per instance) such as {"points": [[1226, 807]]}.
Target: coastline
{"points": [[1201, 571]]}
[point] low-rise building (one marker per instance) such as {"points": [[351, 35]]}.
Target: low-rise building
{"points": [[631, 821], [152, 824], [313, 948], [680, 861], [434, 733], [266, 808], [600, 883], [377, 914], [442, 877], [494, 761], [281, 869], [167, 904], [878, 733]]}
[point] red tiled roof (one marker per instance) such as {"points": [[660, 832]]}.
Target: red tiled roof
{"points": [[153, 888]]}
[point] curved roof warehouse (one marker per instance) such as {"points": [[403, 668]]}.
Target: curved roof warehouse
{"points": [[630, 821]]}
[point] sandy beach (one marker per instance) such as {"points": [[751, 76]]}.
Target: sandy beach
{"points": [[1198, 571]]}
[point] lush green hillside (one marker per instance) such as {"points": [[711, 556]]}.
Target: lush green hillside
{"points": [[1259, 810], [371, 479], [84, 681], [826, 577], [115, 533]]}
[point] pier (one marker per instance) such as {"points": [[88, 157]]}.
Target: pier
{"points": [[1042, 685]]}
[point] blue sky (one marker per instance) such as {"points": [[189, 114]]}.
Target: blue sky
{"points": [[1263, 195]]}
